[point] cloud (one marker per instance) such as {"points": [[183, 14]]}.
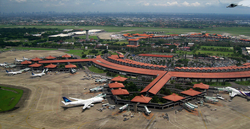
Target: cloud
{"points": [[19, 1], [195, 4], [167, 4], [146, 4]]}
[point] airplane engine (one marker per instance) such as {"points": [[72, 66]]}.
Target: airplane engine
{"points": [[91, 105], [88, 107]]}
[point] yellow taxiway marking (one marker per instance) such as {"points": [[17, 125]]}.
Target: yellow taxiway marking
{"points": [[203, 119], [150, 122], [0, 126]]}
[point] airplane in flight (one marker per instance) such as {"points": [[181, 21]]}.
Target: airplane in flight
{"points": [[87, 102], [123, 107], [39, 74], [13, 73], [233, 92], [17, 60], [232, 5]]}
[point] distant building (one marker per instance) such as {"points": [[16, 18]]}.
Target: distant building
{"points": [[134, 42]]}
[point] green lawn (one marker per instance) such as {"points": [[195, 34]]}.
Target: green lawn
{"points": [[9, 99], [244, 83], [121, 42], [216, 53], [90, 37], [218, 30], [33, 48], [188, 52], [75, 52], [95, 69], [228, 48]]}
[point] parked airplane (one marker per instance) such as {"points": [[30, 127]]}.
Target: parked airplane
{"points": [[13, 73], [219, 97], [25, 58], [101, 95], [233, 92], [123, 107], [101, 80], [189, 107], [87, 102], [3, 64], [195, 106], [39, 74], [210, 99], [147, 112], [98, 88], [18, 60]]}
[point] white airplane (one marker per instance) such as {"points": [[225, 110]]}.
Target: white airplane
{"points": [[3, 64], [18, 60], [25, 58], [123, 107], [39, 74], [87, 102], [233, 92], [13, 73], [219, 97], [147, 112]]}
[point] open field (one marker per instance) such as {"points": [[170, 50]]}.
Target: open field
{"points": [[90, 37], [216, 53], [215, 47], [9, 97], [95, 69], [43, 109], [244, 83], [220, 30]]}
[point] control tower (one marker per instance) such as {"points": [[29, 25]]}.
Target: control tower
{"points": [[87, 35]]}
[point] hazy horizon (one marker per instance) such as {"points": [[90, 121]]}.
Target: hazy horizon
{"points": [[119, 6]]}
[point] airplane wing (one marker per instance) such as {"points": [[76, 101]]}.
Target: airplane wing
{"points": [[232, 94], [86, 105], [76, 99]]}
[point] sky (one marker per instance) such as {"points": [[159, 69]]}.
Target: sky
{"points": [[162, 6]]}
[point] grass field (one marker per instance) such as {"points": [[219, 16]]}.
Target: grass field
{"points": [[9, 97], [218, 30], [121, 42], [33, 48], [228, 48], [90, 37], [244, 83], [216, 53], [95, 69]]}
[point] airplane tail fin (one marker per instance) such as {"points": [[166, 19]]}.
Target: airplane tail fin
{"points": [[32, 73], [7, 71], [66, 100], [43, 70]]}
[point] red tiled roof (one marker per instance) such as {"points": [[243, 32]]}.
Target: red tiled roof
{"points": [[154, 55], [26, 62], [50, 57], [66, 56], [157, 87], [191, 92], [150, 85], [64, 61], [36, 59], [120, 92], [201, 86], [173, 97], [132, 46], [50, 66], [133, 39], [119, 78], [70, 66], [246, 64], [116, 85], [35, 65], [141, 99]]}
